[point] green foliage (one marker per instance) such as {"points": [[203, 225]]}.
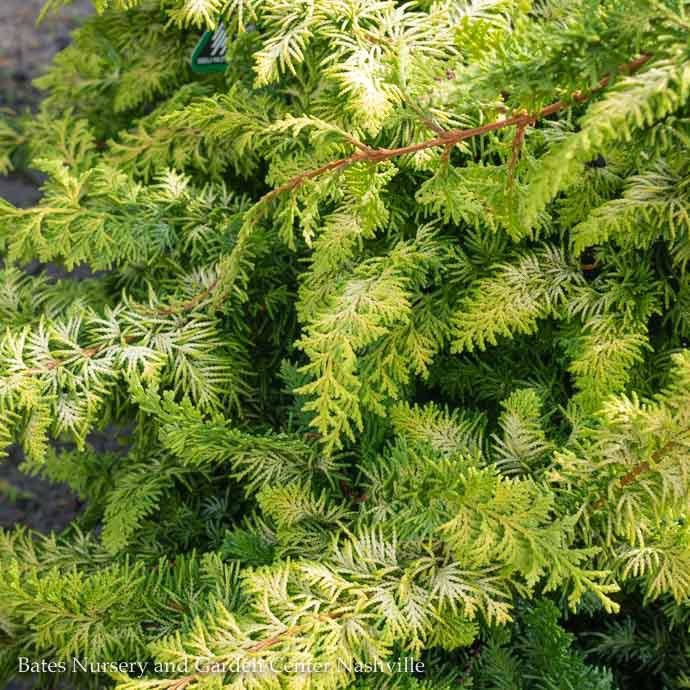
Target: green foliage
{"points": [[537, 654], [392, 321]]}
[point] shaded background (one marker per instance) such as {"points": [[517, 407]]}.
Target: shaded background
{"points": [[25, 52]]}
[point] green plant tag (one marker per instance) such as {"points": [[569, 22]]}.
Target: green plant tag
{"points": [[209, 54]]}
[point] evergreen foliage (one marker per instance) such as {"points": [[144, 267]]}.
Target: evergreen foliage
{"points": [[392, 318]]}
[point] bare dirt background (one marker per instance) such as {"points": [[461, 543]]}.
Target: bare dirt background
{"points": [[25, 51]]}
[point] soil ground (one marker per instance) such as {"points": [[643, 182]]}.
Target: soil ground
{"points": [[26, 49]]}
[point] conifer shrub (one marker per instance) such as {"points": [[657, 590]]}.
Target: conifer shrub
{"points": [[391, 318]]}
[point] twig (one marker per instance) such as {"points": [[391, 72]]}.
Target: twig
{"points": [[449, 137], [516, 149], [87, 352], [640, 468], [191, 303], [289, 632], [446, 139]]}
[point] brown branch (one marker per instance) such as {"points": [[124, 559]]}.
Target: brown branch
{"points": [[630, 477], [516, 150], [450, 137], [289, 632], [182, 683], [87, 352], [446, 139], [191, 303]]}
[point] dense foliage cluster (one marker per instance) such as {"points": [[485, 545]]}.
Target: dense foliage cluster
{"points": [[391, 319]]}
